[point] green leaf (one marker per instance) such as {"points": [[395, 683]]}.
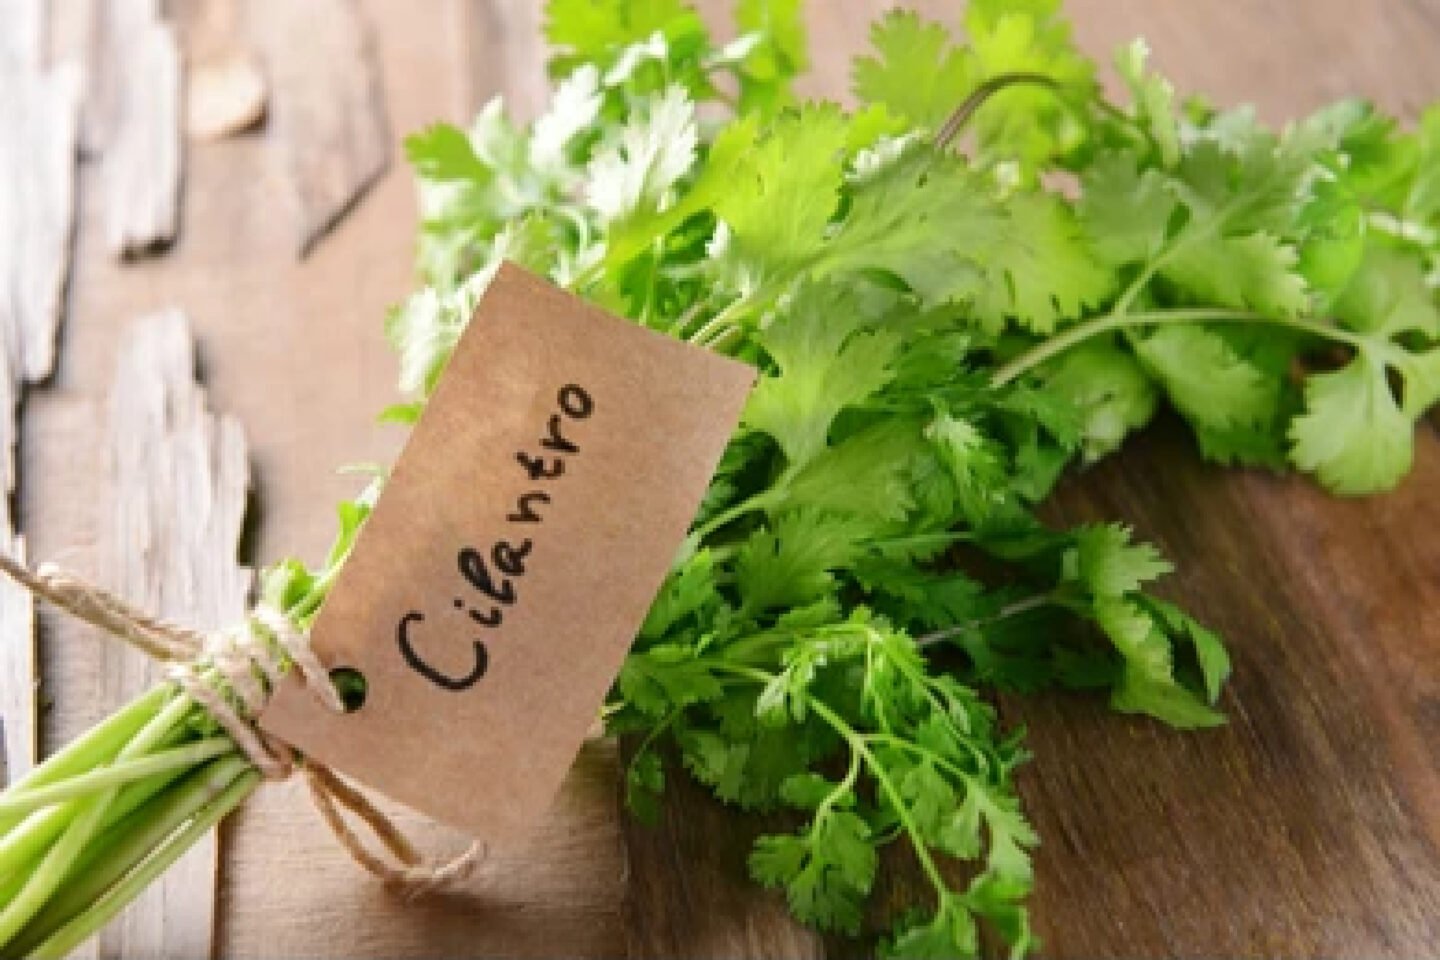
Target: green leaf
{"points": [[1253, 270], [782, 195], [689, 589], [593, 29], [827, 361], [653, 151], [1207, 379], [443, 152], [1147, 683], [1154, 100], [1040, 270], [789, 562], [1110, 565], [947, 935], [826, 871], [1125, 210], [916, 72], [1353, 435], [1107, 388], [865, 477]]}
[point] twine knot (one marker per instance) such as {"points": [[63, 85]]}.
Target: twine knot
{"points": [[230, 674]]}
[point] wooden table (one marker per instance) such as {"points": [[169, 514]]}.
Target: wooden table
{"points": [[1308, 827]]}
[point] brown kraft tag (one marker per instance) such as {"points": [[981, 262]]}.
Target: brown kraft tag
{"points": [[512, 556]]}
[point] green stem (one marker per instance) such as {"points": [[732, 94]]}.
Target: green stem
{"points": [[720, 323], [53, 868], [116, 852], [759, 501], [1004, 613], [25, 844], [984, 92], [857, 744], [224, 796], [897, 799], [1046, 349], [21, 800], [58, 861], [96, 748]]}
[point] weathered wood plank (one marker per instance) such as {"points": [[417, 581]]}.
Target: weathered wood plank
{"points": [[19, 674], [1308, 826], [39, 112], [23, 39], [177, 479], [295, 349], [297, 894], [133, 121], [689, 893], [327, 106], [501, 50]]}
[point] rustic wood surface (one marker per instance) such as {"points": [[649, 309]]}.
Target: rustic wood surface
{"points": [[1309, 827], [40, 107], [132, 121], [175, 478]]}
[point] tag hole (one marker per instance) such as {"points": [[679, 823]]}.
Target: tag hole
{"points": [[350, 685]]}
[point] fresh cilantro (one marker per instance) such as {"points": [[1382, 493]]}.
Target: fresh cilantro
{"points": [[943, 320]]}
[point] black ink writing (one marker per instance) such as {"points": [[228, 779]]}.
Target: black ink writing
{"points": [[493, 575]]}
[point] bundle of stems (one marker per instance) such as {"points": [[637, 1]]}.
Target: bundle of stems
{"points": [[85, 832]]}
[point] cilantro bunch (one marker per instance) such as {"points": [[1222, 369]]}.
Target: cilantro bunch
{"points": [[983, 274]]}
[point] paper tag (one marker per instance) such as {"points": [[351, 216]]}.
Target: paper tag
{"points": [[513, 554]]}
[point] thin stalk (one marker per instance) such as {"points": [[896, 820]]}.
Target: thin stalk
{"points": [[897, 799], [116, 774], [720, 323], [857, 744], [58, 861], [984, 92], [760, 501], [97, 747], [1081, 332], [131, 842], [24, 845], [1004, 613], [78, 930], [53, 868]]}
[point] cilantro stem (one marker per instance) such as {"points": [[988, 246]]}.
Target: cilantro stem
{"points": [[760, 501], [116, 774], [1004, 613], [858, 745], [984, 92], [720, 324], [1046, 349], [230, 784]]}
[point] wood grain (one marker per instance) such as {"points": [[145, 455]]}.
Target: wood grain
{"points": [[39, 112], [1305, 828], [176, 479], [1308, 826], [328, 106], [133, 121], [500, 46], [295, 350]]}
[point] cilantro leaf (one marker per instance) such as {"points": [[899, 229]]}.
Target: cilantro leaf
{"points": [[1353, 434]]}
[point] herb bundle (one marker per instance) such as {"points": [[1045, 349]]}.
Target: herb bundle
{"points": [[983, 274]]}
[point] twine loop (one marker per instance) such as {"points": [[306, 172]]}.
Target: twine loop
{"points": [[230, 674]]}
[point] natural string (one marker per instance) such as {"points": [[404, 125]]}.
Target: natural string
{"points": [[196, 660]]}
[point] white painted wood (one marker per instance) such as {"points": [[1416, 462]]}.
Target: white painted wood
{"points": [[178, 478]]}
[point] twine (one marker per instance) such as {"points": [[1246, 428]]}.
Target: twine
{"points": [[230, 674]]}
